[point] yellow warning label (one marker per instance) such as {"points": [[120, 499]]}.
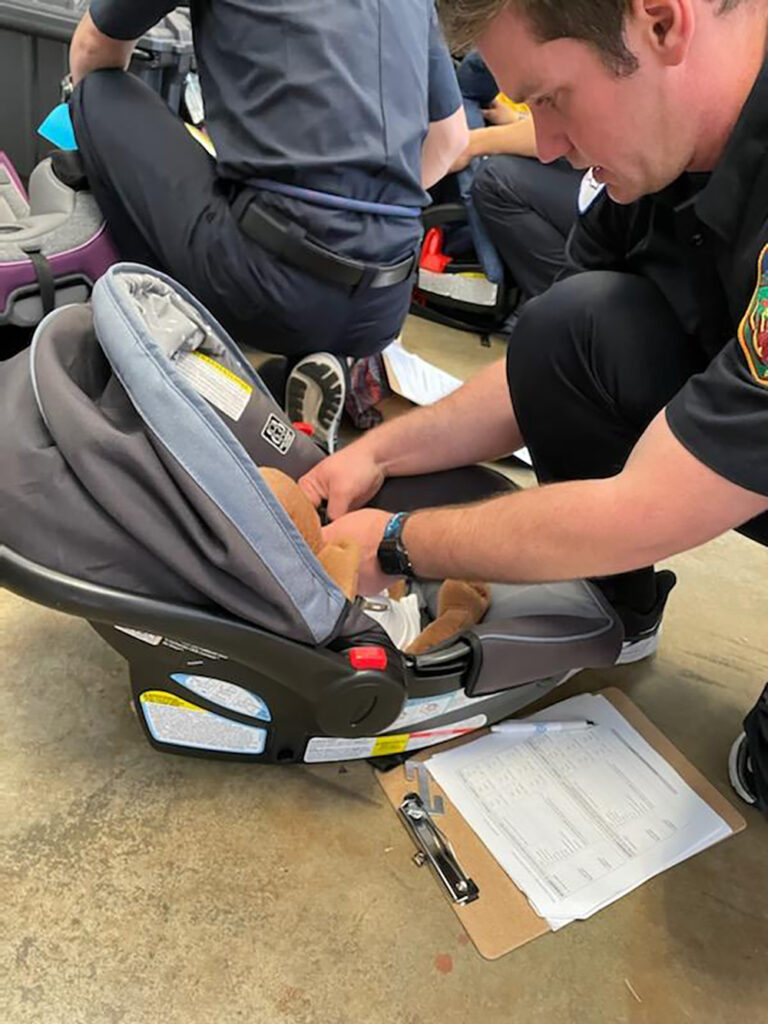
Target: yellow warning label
{"points": [[163, 697], [391, 744], [223, 370]]}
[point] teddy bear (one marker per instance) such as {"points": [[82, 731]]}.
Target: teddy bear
{"points": [[460, 603]]}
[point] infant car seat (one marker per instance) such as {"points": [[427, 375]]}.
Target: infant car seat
{"points": [[53, 242], [462, 282], [129, 495], [458, 284]]}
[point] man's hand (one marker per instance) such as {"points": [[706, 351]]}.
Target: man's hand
{"points": [[346, 480], [367, 528], [502, 113]]}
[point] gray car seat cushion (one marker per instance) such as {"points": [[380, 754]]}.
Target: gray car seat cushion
{"points": [[12, 203], [58, 218]]}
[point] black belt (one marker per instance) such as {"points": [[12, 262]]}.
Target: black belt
{"points": [[290, 242]]}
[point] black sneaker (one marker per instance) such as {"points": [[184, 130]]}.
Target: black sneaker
{"points": [[642, 629], [315, 394]]}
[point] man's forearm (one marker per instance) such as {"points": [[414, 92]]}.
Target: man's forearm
{"points": [[664, 501], [562, 531], [444, 142], [473, 424], [91, 50]]}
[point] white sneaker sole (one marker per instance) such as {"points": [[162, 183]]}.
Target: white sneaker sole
{"points": [[315, 393], [637, 650], [733, 771]]}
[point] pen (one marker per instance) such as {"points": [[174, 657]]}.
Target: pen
{"points": [[538, 728]]}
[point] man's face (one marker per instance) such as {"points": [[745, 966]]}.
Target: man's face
{"points": [[631, 129]]}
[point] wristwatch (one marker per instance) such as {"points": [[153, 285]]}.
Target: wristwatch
{"points": [[392, 553]]}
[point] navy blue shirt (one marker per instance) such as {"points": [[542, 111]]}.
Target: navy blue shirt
{"points": [[332, 95]]}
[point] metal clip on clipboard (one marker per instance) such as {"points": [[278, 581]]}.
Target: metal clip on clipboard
{"points": [[435, 850]]}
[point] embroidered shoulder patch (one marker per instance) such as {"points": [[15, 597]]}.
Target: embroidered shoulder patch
{"points": [[753, 329]]}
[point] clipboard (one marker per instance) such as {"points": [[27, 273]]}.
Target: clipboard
{"points": [[506, 921]]}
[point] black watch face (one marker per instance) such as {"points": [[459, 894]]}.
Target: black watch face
{"points": [[392, 558]]}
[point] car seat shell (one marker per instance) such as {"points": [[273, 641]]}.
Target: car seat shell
{"points": [[56, 224], [133, 498]]}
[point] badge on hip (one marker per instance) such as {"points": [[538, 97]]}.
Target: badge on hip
{"points": [[753, 329]]}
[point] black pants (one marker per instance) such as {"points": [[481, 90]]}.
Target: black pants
{"points": [[528, 209], [590, 363], [166, 207]]}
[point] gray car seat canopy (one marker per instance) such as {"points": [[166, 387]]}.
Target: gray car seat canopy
{"points": [[145, 462]]}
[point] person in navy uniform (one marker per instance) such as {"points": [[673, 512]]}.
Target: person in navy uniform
{"points": [[329, 120], [640, 381]]}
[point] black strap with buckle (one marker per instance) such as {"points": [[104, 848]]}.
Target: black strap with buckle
{"points": [[291, 243]]}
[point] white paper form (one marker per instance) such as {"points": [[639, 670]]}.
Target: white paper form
{"points": [[417, 380], [577, 819]]}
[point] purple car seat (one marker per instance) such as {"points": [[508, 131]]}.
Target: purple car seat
{"points": [[53, 242]]}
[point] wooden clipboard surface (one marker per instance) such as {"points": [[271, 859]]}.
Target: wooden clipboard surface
{"points": [[506, 921]]}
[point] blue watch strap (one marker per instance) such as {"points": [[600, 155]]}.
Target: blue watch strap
{"points": [[395, 525]]}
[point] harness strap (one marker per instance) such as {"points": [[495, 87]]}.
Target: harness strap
{"points": [[45, 278]]}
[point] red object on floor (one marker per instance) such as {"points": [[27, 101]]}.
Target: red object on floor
{"points": [[367, 657], [304, 428], [432, 256]]}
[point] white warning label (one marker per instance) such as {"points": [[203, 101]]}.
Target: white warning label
{"points": [[329, 748], [139, 634], [177, 645], [467, 287], [421, 709], [171, 719], [226, 391]]}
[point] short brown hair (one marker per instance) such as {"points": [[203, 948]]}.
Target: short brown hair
{"points": [[598, 22]]}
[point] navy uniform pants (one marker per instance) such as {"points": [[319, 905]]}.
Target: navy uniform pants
{"points": [[528, 209], [166, 207], [590, 363]]}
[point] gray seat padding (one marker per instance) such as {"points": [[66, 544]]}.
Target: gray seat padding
{"points": [[57, 218]]}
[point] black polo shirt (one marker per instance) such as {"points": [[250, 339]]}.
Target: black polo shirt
{"points": [[332, 95], [704, 242]]}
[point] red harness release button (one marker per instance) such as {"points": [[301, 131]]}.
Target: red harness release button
{"points": [[368, 658]]}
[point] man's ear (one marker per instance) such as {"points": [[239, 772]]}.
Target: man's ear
{"points": [[667, 26]]}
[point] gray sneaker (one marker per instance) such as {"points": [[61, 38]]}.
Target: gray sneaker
{"points": [[315, 394]]}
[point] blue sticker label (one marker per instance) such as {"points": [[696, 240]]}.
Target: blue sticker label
{"points": [[57, 128], [226, 695]]}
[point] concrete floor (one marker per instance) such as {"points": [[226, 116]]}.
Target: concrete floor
{"points": [[138, 887]]}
